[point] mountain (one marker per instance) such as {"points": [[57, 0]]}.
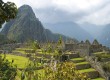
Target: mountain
{"points": [[26, 26], [3, 39], [93, 29], [104, 37], [70, 29]]}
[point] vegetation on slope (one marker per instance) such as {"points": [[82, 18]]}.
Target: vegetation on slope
{"points": [[7, 70], [19, 61]]}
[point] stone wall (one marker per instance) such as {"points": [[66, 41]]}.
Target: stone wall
{"points": [[44, 55], [96, 48], [72, 55], [9, 47], [71, 47], [83, 52], [92, 74], [1, 51], [85, 48], [81, 48], [97, 66], [82, 66]]}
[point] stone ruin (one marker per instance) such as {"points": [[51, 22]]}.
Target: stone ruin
{"points": [[86, 48]]}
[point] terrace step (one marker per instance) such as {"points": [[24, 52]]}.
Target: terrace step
{"points": [[98, 78], [27, 50], [82, 65], [44, 55], [91, 73], [21, 52], [77, 60], [72, 55], [23, 49], [85, 68]]}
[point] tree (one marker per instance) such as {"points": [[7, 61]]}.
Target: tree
{"points": [[7, 11], [35, 45], [63, 71]]}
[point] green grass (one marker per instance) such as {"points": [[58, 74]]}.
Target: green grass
{"points": [[82, 63], [98, 79], [98, 53], [86, 70], [102, 55], [23, 49], [40, 52], [22, 52], [18, 75], [18, 60], [41, 74], [77, 59], [69, 53]]}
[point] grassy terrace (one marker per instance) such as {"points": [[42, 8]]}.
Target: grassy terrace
{"points": [[40, 52], [46, 53], [22, 62], [86, 70], [23, 52], [23, 49], [102, 55], [68, 53], [82, 63], [98, 53], [77, 59], [18, 60], [98, 79]]}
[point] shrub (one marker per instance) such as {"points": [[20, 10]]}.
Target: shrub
{"points": [[63, 71], [7, 70]]}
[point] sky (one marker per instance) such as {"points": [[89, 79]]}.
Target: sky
{"points": [[79, 11]]}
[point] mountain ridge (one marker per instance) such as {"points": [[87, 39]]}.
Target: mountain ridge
{"points": [[70, 29], [26, 26], [104, 37]]}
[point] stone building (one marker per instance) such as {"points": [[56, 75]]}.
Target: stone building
{"points": [[87, 42], [85, 47], [96, 47]]}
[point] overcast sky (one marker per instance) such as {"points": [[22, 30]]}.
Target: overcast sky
{"points": [[80, 11]]}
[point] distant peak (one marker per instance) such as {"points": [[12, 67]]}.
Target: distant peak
{"points": [[25, 7]]}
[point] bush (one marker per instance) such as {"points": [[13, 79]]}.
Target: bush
{"points": [[63, 71], [7, 71]]}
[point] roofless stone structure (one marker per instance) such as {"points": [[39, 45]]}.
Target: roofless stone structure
{"points": [[85, 47]]}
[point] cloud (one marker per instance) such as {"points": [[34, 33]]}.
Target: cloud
{"points": [[52, 15], [100, 17], [77, 5], [33, 3], [92, 11]]}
